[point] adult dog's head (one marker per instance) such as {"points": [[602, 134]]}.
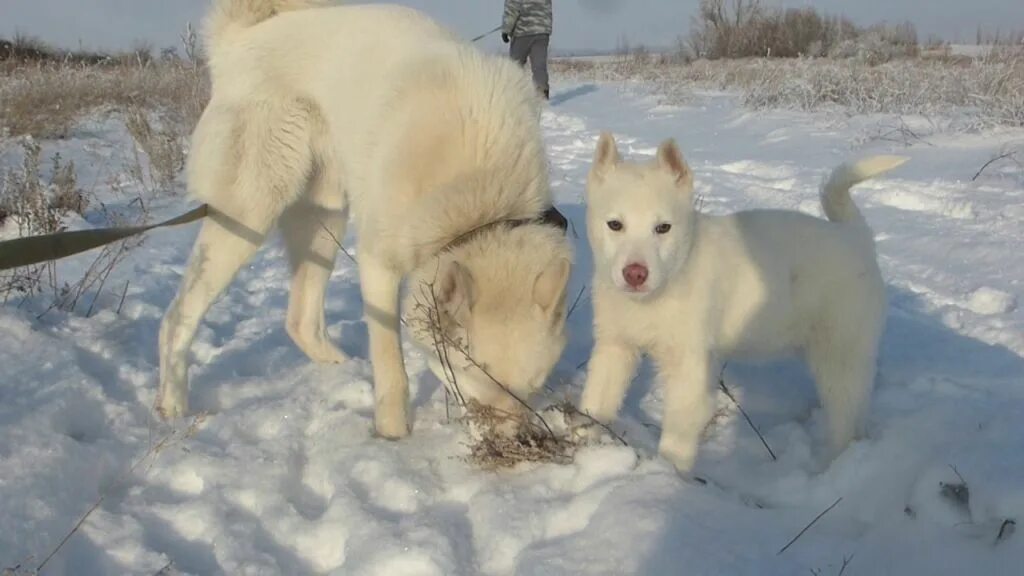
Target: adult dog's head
{"points": [[493, 311]]}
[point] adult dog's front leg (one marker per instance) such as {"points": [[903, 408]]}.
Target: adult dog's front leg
{"points": [[689, 405], [379, 285]]}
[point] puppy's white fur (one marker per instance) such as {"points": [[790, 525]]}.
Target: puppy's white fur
{"points": [[756, 285], [376, 112]]}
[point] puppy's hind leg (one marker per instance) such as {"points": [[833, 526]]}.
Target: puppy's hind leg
{"points": [[844, 372], [313, 228], [248, 179]]}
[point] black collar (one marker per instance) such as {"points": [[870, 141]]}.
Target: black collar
{"points": [[550, 217]]}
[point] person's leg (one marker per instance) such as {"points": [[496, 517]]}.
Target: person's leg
{"points": [[539, 62], [519, 49]]}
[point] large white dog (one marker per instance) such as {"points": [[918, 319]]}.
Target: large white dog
{"points": [[693, 290], [433, 148]]}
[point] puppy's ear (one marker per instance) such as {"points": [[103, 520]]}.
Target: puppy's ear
{"points": [[606, 156], [454, 290], [549, 287], [671, 160]]}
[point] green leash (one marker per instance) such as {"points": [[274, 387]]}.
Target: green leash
{"points": [[36, 249]]}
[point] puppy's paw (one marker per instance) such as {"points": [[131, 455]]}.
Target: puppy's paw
{"points": [[587, 430], [681, 452]]}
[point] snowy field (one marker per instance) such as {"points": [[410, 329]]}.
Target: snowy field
{"points": [[282, 475]]}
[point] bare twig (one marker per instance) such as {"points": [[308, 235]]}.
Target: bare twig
{"points": [[499, 384], [441, 348], [123, 294], [575, 302], [1002, 156], [808, 527], [957, 472], [1005, 529], [338, 243], [99, 290], [846, 562], [152, 450], [721, 383]]}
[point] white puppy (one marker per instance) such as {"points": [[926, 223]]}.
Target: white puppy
{"points": [[693, 290], [431, 146]]}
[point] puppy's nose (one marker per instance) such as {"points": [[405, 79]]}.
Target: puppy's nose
{"points": [[635, 275]]}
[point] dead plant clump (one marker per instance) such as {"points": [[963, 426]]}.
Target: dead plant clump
{"points": [[38, 205], [502, 440], [31, 205], [34, 202]]}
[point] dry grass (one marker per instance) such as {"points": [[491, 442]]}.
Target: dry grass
{"points": [[162, 140], [989, 91], [45, 94], [750, 28], [47, 100]]}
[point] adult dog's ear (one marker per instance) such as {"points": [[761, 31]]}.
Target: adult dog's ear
{"points": [[671, 160], [606, 156], [454, 291], [550, 285]]}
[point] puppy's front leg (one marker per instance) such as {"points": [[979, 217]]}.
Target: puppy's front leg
{"points": [[689, 405], [611, 369], [379, 284]]}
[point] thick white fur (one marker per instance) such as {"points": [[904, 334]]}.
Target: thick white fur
{"points": [[378, 113], [756, 285]]}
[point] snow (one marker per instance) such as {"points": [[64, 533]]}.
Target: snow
{"points": [[281, 474], [989, 301]]}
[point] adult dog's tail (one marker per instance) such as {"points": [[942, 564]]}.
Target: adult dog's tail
{"points": [[227, 16], [835, 191]]}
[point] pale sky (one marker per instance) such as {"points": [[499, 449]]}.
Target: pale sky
{"points": [[579, 24]]}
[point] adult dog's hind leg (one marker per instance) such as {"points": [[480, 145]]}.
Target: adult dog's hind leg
{"points": [[313, 228], [249, 163], [218, 254]]}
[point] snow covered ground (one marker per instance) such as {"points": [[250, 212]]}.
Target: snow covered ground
{"points": [[282, 475]]}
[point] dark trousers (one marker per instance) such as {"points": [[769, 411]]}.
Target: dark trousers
{"points": [[534, 47]]}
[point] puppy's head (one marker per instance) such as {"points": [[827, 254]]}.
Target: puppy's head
{"points": [[640, 217], [502, 310]]}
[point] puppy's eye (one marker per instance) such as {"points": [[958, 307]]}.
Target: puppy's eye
{"points": [[615, 225], [663, 228]]}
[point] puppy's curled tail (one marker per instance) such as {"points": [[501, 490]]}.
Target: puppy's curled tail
{"points": [[835, 191], [227, 16]]}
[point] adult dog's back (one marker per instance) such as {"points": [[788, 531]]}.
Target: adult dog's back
{"points": [[371, 87], [373, 111]]}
